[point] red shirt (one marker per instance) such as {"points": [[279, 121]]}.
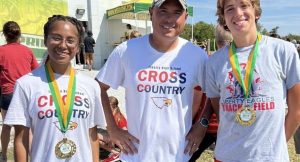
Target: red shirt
{"points": [[16, 60], [120, 120]]}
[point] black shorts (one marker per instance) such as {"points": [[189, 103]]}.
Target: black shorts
{"points": [[297, 140], [5, 100]]}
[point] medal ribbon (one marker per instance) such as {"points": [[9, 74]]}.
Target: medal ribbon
{"points": [[64, 109], [236, 69]]}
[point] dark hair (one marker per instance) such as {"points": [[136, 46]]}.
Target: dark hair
{"points": [[11, 31], [56, 18], [89, 33], [128, 26]]}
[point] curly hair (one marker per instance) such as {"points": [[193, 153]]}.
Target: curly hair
{"points": [[74, 21], [220, 11], [11, 31]]}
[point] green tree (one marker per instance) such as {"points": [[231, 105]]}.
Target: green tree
{"points": [[265, 32], [202, 32], [259, 27], [292, 37], [187, 33], [274, 32]]}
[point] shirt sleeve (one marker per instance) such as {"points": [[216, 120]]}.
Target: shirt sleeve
{"points": [[97, 114], [112, 73], [34, 63], [17, 113], [202, 72], [292, 65], [212, 90]]}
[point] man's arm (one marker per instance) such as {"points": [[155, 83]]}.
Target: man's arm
{"points": [[120, 137], [215, 102], [292, 119], [197, 99], [21, 143], [197, 132], [94, 143]]}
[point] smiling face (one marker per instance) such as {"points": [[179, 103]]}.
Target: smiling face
{"points": [[168, 20], [240, 16], [62, 42]]}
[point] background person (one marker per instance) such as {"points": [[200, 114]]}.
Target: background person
{"points": [[104, 138], [298, 49], [249, 83], [135, 34], [63, 129], [128, 32], [223, 38], [158, 72], [16, 60], [89, 44]]}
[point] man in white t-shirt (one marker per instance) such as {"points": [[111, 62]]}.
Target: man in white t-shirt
{"points": [[159, 72]]}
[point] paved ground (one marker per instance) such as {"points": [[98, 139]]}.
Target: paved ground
{"points": [[119, 93]]}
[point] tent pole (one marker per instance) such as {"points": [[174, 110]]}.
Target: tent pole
{"points": [[146, 23], [192, 29], [136, 24]]}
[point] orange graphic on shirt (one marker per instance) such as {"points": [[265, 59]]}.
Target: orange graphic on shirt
{"points": [[161, 102]]}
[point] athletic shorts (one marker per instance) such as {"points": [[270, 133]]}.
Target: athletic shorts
{"points": [[89, 56], [297, 141], [5, 100]]}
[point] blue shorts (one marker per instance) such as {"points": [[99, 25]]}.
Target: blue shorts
{"points": [[5, 100]]}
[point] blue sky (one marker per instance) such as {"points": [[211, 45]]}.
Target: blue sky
{"points": [[282, 13]]}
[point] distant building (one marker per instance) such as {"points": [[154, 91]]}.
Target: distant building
{"points": [[92, 13]]}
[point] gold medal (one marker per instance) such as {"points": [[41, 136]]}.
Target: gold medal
{"points": [[245, 116], [65, 149]]}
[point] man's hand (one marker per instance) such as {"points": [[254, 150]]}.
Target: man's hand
{"points": [[123, 139], [194, 138]]}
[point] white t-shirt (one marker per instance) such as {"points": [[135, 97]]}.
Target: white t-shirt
{"points": [[159, 88], [277, 69], [32, 106]]}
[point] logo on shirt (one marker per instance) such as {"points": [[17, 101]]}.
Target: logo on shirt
{"points": [[161, 102], [236, 98], [46, 106], [236, 91], [161, 80], [72, 125]]}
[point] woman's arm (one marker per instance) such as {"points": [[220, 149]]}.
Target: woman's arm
{"points": [[94, 143], [21, 143]]}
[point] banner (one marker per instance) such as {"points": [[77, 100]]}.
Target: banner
{"points": [[31, 15]]}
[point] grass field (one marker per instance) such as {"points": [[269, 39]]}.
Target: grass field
{"points": [[207, 156]]}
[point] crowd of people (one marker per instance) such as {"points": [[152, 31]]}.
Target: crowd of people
{"points": [[179, 100]]}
